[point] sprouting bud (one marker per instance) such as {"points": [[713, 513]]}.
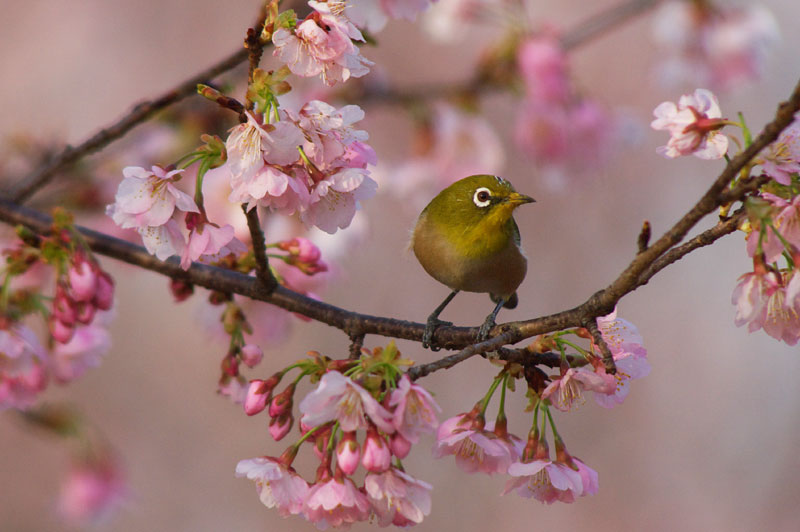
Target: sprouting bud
{"points": [[348, 453], [377, 457], [280, 426], [181, 290], [399, 445], [257, 397], [282, 403], [60, 331], [251, 355]]}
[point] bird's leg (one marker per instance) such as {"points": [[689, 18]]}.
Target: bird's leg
{"points": [[434, 322], [488, 323]]}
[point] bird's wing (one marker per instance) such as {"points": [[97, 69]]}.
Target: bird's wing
{"points": [[515, 233]]}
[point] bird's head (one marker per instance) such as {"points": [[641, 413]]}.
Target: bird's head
{"points": [[478, 200]]}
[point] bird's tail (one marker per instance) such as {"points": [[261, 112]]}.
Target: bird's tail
{"points": [[511, 302]]}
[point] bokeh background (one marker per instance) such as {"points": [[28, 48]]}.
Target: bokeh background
{"points": [[707, 442]]}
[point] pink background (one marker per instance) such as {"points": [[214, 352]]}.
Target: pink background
{"points": [[707, 442]]}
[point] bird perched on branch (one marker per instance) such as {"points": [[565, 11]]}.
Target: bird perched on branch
{"points": [[466, 239]]}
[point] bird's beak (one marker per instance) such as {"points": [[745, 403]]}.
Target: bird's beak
{"points": [[515, 198]]}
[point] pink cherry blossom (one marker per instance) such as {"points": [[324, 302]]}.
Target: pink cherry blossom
{"points": [[693, 124], [399, 445], [322, 44], [23, 373], [234, 388], [277, 484], [206, 242], [336, 502], [272, 188], [414, 410], [751, 297], [567, 389], [630, 357], [339, 398], [257, 397], [475, 449], [86, 349], [398, 498], [545, 481], [781, 159], [251, 355], [542, 64], [781, 320], [91, 492], [786, 221], [336, 198], [82, 280], [148, 198]]}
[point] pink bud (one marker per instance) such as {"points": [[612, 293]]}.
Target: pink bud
{"points": [[282, 403], [306, 250], [82, 280], [399, 445], [377, 457], [251, 355], [280, 426], [104, 296], [348, 453], [85, 313], [60, 331], [256, 399], [181, 290]]}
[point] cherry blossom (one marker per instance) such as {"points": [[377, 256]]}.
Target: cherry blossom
{"points": [[781, 159], [752, 295], [92, 491], [277, 484], [336, 198], [322, 44], [148, 198], [544, 480], [398, 498], [786, 221], [693, 124], [414, 410], [476, 449], [567, 389], [23, 373], [339, 398], [86, 349], [336, 502]]}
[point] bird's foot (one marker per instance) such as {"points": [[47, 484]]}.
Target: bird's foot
{"points": [[486, 327], [430, 327]]}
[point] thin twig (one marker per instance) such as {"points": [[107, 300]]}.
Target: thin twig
{"points": [[608, 357], [263, 271]]}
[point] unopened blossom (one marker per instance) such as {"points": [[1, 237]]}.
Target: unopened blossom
{"points": [[23, 373], [544, 480], [348, 453], [398, 498], [781, 159], [280, 426], [336, 198], [91, 492], [257, 397], [148, 198], [693, 124], [567, 389], [234, 388], [86, 349], [475, 449], [377, 456], [339, 398], [277, 484], [336, 502], [251, 355], [82, 280], [414, 410], [713, 44], [322, 44], [399, 445]]}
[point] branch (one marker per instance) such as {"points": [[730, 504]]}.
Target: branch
{"points": [[263, 272]]}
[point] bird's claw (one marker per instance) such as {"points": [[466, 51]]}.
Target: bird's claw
{"points": [[486, 327], [430, 328]]}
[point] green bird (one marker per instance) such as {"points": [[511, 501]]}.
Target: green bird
{"points": [[467, 239]]}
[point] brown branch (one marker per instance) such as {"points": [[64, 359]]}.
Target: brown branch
{"points": [[140, 113], [590, 324], [263, 272]]}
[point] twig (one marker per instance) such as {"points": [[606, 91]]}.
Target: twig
{"points": [[263, 272], [608, 357]]}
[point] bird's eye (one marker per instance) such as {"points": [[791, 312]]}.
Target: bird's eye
{"points": [[482, 197]]}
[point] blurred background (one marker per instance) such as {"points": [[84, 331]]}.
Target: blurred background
{"points": [[708, 441]]}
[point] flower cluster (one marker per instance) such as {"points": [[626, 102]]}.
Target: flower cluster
{"points": [[370, 396], [77, 316], [168, 220], [706, 44], [322, 44], [556, 128], [312, 163]]}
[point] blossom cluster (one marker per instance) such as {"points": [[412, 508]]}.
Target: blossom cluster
{"points": [[77, 317], [766, 298], [351, 397]]}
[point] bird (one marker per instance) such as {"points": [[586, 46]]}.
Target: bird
{"points": [[466, 238]]}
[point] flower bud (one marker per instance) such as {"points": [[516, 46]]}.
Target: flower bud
{"points": [[399, 445], [282, 403], [377, 457], [60, 331], [82, 280], [251, 355], [85, 313], [257, 396], [181, 290], [64, 309], [104, 294], [348, 453], [280, 426]]}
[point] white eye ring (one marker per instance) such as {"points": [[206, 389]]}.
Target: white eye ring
{"points": [[482, 197]]}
